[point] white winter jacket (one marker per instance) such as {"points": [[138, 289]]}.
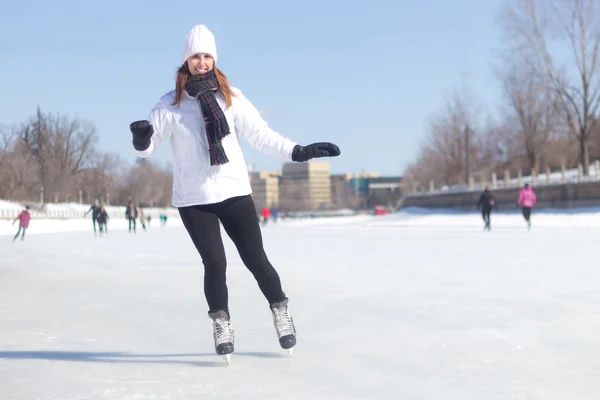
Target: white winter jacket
{"points": [[195, 181]]}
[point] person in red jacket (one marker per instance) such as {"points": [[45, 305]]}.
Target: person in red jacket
{"points": [[23, 218], [265, 215]]}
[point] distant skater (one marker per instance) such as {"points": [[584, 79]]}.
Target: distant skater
{"points": [[131, 214], [142, 219], [486, 204], [527, 200], [24, 217], [265, 213], [95, 210], [102, 220]]}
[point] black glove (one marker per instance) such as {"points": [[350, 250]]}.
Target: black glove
{"points": [[142, 132], [315, 150]]}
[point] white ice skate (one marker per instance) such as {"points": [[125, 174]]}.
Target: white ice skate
{"points": [[223, 335], [284, 326]]}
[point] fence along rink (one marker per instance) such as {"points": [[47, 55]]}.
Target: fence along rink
{"points": [[10, 210]]}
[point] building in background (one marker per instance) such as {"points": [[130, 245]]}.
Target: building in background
{"points": [[265, 189], [305, 186], [350, 191], [384, 191], [367, 190], [310, 187]]}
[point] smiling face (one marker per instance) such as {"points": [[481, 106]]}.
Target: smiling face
{"points": [[200, 63]]}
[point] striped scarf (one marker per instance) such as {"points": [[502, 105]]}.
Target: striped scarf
{"points": [[204, 87]]}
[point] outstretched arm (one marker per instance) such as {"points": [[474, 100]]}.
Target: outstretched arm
{"points": [[251, 126]]}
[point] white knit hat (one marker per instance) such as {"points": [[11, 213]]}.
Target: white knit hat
{"points": [[199, 40]]}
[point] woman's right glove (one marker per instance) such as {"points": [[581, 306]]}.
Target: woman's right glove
{"points": [[142, 132], [315, 150]]}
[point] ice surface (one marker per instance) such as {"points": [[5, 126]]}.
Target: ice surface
{"points": [[409, 306]]}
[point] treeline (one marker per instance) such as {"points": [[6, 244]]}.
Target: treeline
{"points": [[55, 158], [547, 117]]}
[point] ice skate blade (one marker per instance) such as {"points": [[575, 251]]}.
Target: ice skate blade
{"points": [[227, 358], [290, 351]]}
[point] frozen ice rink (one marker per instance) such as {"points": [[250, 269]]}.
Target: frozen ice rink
{"points": [[408, 307]]}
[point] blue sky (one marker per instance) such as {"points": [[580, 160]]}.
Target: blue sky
{"points": [[365, 77]]}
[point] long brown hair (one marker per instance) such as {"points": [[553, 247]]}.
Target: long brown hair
{"points": [[182, 74]]}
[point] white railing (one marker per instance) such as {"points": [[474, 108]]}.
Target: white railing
{"points": [[10, 210], [548, 178]]}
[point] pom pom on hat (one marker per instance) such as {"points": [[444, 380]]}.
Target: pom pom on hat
{"points": [[199, 40]]}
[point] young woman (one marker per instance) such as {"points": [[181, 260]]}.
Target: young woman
{"points": [[24, 217], [527, 200], [204, 118]]}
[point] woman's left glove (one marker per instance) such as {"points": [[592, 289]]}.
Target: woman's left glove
{"points": [[315, 150]]}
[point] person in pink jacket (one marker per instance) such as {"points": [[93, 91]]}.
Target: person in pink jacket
{"points": [[527, 200], [23, 218]]}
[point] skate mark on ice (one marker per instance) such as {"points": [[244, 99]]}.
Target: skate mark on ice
{"points": [[109, 357], [260, 354]]}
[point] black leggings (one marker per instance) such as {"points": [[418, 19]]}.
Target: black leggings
{"points": [[527, 213], [240, 221], [485, 214]]}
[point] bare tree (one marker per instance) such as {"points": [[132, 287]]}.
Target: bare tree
{"points": [[101, 180], [428, 167], [58, 154], [62, 147], [18, 172], [533, 28], [531, 114], [453, 135], [148, 184], [73, 142], [594, 142], [7, 141], [561, 150], [446, 143]]}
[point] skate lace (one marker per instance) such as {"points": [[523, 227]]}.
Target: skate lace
{"points": [[223, 331], [284, 325]]}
